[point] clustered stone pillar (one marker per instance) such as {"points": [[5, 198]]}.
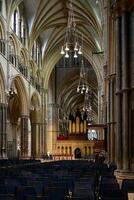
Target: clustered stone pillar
{"points": [[111, 117], [3, 117], [125, 91], [118, 146], [24, 136], [131, 94], [36, 149], [44, 121], [124, 27], [37, 139]]}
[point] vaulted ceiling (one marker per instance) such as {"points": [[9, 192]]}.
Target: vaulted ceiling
{"points": [[47, 20]]}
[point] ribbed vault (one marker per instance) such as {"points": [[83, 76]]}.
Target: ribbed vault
{"points": [[47, 20]]}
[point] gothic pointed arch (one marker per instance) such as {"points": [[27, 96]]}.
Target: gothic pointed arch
{"points": [[18, 87], [2, 29], [2, 37]]}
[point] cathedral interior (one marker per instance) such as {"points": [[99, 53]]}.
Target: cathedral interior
{"points": [[67, 83]]}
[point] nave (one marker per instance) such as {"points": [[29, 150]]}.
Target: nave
{"points": [[67, 91], [61, 180]]}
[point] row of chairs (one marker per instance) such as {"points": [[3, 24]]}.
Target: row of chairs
{"points": [[62, 180], [53, 181], [109, 188]]}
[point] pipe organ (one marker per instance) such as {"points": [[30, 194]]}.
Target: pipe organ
{"points": [[77, 123]]}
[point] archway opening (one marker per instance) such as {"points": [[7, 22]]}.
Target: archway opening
{"points": [[77, 153]]}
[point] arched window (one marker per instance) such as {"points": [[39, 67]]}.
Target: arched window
{"points": [[38, 80], [2, 42], [36, 53], [22, 30], [12, 51], [22, 65], [18, 25], [31, 74], [33, 51], [15, 22], [92, 134]]}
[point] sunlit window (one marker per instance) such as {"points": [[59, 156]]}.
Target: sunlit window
{"points": [[15, 22], [18, 25], [2, 42], [11, 51], [22, 30], [91, 134], [36, 53]]}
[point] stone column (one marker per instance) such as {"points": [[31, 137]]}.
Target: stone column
{"points": [[3, 134], [52, 128], [118, 139], [33, 140], [42, 150], [108, 119], [100, 104], [43, 119], [131, 82], [36, 139], [14, 135], [125, 111], [112, 123], [24, 136]]}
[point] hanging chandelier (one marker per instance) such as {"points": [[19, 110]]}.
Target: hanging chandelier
{"points": [[87, 107], [83, 85], [71, 41]]}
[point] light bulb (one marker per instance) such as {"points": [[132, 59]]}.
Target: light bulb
{"points": [[62, 51], [66, 55], [75, 55], [80, 52], [83, 87], [76, 47], [81, 91], [66, 48]]}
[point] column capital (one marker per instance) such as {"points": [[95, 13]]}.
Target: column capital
{"points": [[24, 116], [125, 89], [111, 77], [4, 104], [118, 92]]}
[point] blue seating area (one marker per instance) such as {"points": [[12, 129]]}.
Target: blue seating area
{"points": [[61, 180]]}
